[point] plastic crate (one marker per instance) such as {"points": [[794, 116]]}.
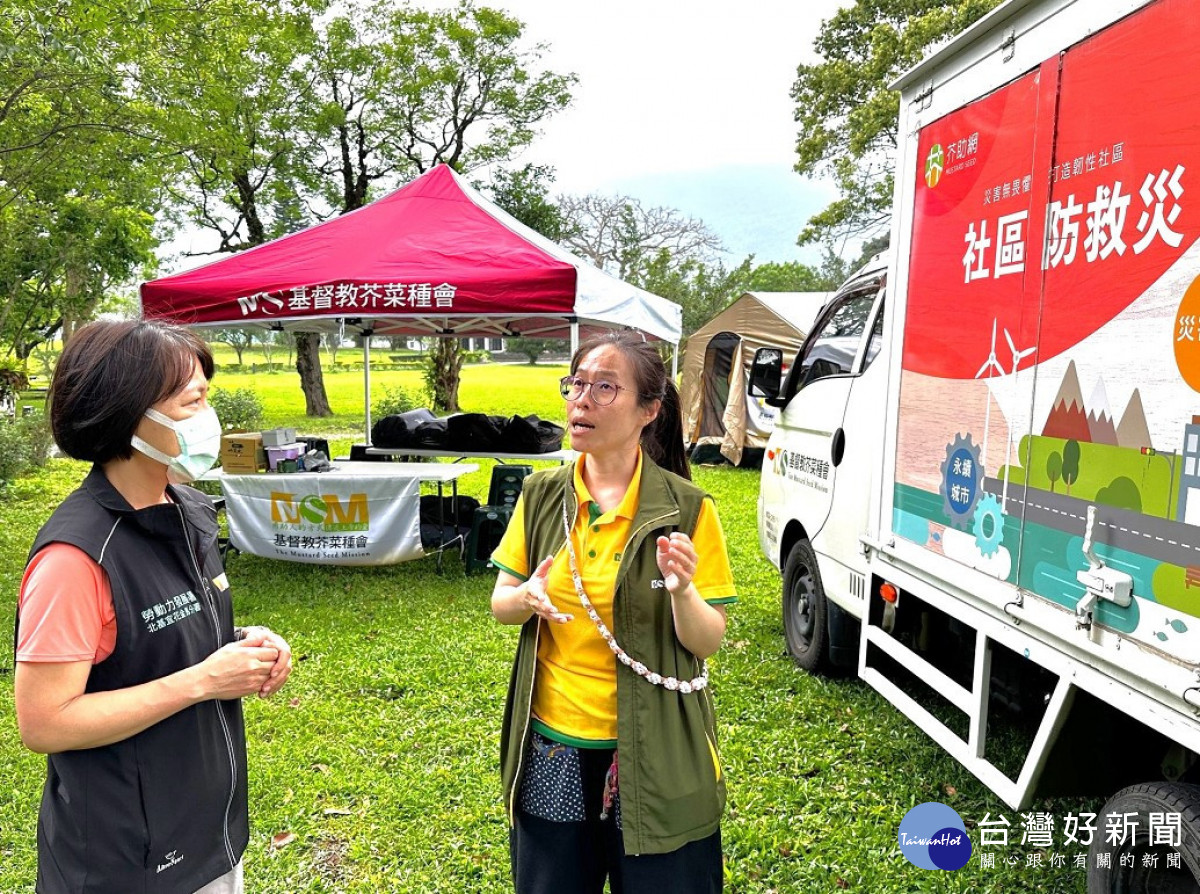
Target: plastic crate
{"points": [[506, 485], [487, 527]]}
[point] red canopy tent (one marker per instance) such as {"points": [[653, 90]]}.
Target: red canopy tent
{"points": [[432, 258]]}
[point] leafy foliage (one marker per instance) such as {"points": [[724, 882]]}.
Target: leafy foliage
{"points": [[25, 445], [533, 348], [524, 193], [238, 408], [847, 114], [396, 399]]}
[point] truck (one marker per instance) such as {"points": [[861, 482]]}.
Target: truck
{"points": [[983, 487]]}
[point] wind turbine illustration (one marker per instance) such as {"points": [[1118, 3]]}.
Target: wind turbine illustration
{"points": [[1017, 357], [990, 364]]}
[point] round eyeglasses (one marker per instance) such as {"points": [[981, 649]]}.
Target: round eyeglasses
{"points": [[603, 393]]}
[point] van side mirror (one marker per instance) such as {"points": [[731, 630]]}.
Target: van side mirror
{"points": [[766, 373]]}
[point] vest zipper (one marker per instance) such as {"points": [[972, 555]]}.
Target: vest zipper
{"points": [[212, 609], [622, 569], [512, 793]]}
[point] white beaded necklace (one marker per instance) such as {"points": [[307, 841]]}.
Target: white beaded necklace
{"points": [[675, 685]]}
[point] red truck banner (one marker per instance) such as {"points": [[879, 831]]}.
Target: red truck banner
{"points": [[1050, 388], [1049, 206]]}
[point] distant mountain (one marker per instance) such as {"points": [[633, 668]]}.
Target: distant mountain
{"points": [[755, 209], [1134, 431], [1099, 417], [1068, 418], [1072, 419]]}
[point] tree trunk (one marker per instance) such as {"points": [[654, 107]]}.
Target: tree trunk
{"points": [[446, 362], [312, 383], [256, 233]]}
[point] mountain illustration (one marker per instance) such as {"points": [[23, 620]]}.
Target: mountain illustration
{"points": [[1099, 417], [1133, 430], [1068, 418]]}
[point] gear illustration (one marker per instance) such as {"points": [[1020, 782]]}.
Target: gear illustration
{"points": [[962, 481], [989, 525]]}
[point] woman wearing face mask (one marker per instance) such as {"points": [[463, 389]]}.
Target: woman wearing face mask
{"points": [[129, 670], [615, 566]]}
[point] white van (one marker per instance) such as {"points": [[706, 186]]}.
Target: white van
{"points": [[983, 488]]}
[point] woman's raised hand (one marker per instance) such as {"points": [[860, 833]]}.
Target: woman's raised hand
{"points": [[537, 600], [677, 560]]}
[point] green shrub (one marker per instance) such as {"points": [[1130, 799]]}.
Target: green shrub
{"points": [[25, 445], [237, 408], [396, 400]]}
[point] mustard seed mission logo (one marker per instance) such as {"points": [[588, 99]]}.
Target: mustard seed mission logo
{"points": [[313, 512], [935, 163]]}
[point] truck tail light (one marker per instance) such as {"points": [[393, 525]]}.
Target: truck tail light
{"points": [[888, 593]]}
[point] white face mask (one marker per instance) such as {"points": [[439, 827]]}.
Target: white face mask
{"points": [[199, 440]]}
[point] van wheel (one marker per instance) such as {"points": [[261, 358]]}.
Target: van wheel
{"points": [[805, 612], [1145, 865]]}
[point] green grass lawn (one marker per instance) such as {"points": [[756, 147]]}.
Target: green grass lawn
{"points": [[525, 389], [380, 756]]}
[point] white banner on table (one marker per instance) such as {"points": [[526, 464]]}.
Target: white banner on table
{"points": [[325, 519]]}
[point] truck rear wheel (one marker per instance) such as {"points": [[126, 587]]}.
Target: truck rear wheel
{"points": [[1141, 866], [805, 611]]}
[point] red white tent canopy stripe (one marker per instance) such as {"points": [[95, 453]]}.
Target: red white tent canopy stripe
{"points": [[432, 258]]}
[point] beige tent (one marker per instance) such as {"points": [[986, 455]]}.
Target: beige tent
{"points": [[717, 411]]}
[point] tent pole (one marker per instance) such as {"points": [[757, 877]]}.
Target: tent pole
{"points": [[574, 337], [367, 383], [675, 362]]}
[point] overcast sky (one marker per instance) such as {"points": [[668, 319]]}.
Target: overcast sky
{"points": [[668, 86], [679, 104]]}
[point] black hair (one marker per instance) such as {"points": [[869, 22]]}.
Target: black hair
{"points": [[109, 374], [662, 438]]}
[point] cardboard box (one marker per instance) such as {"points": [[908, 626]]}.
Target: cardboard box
{"points": [[279, 437], [287, 451], [243, 453]]}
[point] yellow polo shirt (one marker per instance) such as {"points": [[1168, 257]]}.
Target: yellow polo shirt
{"points": [[575, 688]]}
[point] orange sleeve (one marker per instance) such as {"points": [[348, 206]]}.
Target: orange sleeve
{"points": [[66, 608]]}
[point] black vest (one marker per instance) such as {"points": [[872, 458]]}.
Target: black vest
{"points": [[163, 811]]}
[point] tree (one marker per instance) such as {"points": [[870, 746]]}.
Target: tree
{"points": [[659, 249], [1070, 464], [524, 193], [846, 111], [620, 235], [232, 100], [792, 276], [441, 376], [701, 289], [404, 89], [533, 348], [268, 342], [1054, 467], [63, 77], [238, 339], [76, 189]]}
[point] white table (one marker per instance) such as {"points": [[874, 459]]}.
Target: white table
{"points": [[357, 513], [559, 456]]}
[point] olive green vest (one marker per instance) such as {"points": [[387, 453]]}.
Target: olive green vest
{"points": [[672, 789]]}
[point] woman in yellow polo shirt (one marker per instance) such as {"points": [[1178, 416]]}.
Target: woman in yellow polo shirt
{"points": [[616, 569]]}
